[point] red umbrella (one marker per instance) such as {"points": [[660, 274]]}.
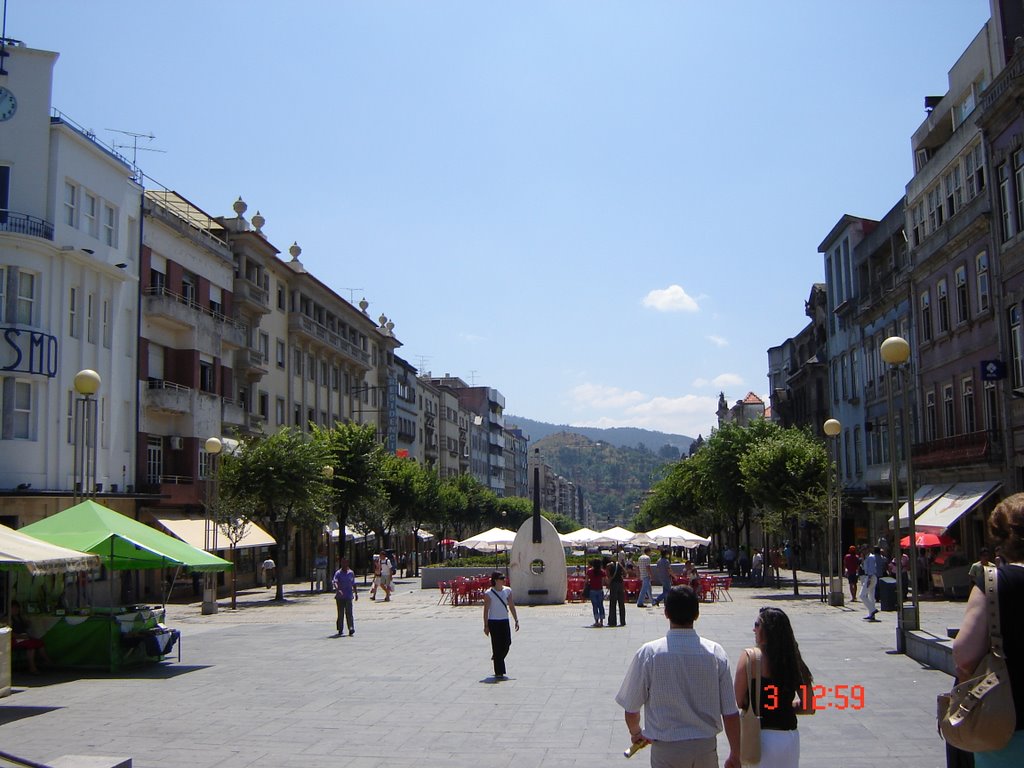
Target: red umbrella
{"points": [[928, 540], [448, 542]]}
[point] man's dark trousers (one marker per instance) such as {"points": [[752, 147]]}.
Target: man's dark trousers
{"points": [[616, 599]]}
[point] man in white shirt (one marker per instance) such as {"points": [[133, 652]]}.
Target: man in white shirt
{"points": [[684, 686], [644, 566]]}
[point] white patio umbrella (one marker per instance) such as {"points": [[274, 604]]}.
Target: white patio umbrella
{"points": [[618, 535], [581, 537], [641, 539], [495, 538], [671, 535]]}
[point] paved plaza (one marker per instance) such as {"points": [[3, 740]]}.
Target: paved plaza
{"points": [[270, 685]]}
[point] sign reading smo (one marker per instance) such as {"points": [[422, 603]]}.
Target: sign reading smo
{"points": [[28, 352]]}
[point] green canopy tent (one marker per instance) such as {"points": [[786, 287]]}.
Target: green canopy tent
{"points": [[122, 544]]}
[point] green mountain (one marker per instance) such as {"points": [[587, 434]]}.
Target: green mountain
{"points": [[620, 437], [614, 479]]}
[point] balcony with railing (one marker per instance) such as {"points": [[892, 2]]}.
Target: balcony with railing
{"points": [[232, 412], [23, 224], [184, 312], [248, 294], [959, 450], [167, 397], [251, 362], [313, 331]]}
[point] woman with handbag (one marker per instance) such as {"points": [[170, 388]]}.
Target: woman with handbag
{"points": [[974, 641], [768, 682], [594, 589]]}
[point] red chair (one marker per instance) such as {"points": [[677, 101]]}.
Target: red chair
{"points": [[722, 588], [444, 587]]}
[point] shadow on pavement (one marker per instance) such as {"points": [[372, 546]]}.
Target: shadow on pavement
{"points": [[12, 713], [158, 671]]}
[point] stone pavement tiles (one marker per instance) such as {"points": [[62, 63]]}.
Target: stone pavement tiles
{"points": [[269, 685]]}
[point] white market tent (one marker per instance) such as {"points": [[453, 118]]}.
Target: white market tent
{"points": [[40, 557], [641, 539], [618, 535], [581, 537], [673, 536], [495, 538]]}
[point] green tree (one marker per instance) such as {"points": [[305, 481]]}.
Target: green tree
{"points": [[786, 474], [354, 454], [718, 478], [279, 478]]}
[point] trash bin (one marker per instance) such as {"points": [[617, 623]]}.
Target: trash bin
{"points": [[887, 593]]}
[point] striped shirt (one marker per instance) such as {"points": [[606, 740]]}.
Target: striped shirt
{"points": [[644, 564], [684, 685]]}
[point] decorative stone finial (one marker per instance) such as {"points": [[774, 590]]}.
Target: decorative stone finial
{"points": [[295, 251], [364, 304], [240, 207], [258, 221], [391, 326], [382, 320]]}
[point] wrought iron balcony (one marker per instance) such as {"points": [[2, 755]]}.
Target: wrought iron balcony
{"points": [[973, 448], [23, 224]]}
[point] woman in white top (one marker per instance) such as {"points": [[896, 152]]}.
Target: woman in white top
{"points": [[498, 605]]}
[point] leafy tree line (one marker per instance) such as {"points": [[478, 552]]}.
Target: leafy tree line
{"points": [[762, 472], [343, 475]]}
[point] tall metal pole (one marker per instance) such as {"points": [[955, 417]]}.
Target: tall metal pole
{"points": [[895, 491], [913, 621]]}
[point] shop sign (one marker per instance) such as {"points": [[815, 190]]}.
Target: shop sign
{"points": [[24, 351]]}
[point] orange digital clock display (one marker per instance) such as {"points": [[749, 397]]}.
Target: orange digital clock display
{"points": [[819, 697]]}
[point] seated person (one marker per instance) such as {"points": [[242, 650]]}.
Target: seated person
{"points": [[20, 638]]}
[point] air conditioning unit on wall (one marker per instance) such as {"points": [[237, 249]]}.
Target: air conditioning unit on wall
{"points": [[176, 443]]}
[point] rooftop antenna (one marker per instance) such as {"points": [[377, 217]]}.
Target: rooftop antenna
{"points": [[134, 146], [352, 294], [421, 363], [472, 378]]}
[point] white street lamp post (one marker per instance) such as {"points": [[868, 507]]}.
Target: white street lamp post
{"points": [[213, 447], [832, 428], [895, 351], [87, 383]]}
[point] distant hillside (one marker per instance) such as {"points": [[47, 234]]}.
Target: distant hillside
{"points": [[620, 437], [613, 479]]}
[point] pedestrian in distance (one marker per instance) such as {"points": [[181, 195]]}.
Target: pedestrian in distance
{"points": [[596, 580], [873, 570], [757, 568], [345, 592], [498, 604], [616, 572], [268, 572], [786, 683], [387, 573], [851, 567], [376, 577], [644, 567], [663, 570], [684, 687]]}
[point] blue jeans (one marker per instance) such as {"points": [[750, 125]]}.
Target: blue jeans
{"points": [[665, 586], [645, 591], [597, 603]]}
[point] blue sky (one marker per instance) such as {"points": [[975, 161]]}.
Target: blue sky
{"points": [[606, 210]]}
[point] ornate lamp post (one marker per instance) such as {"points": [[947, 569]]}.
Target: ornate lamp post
{"points": [[833, 428], [213, 447], [87, 383], [895, 351]]}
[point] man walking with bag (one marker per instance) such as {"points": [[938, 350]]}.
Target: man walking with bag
{"points": [[684, 686]]}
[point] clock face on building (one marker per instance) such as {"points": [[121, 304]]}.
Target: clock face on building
{"points": [[8, 104]]}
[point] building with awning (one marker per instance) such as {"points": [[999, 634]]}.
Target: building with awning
{"points": [[924, 498], [192, 530], [954, 504]]}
